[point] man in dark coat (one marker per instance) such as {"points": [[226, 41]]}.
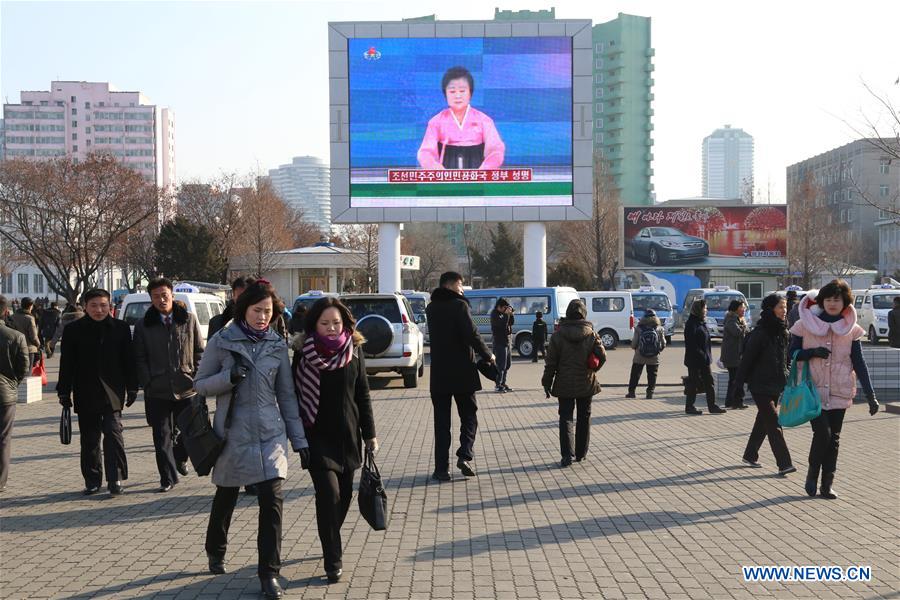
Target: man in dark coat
{"points": [[49, 322], [97, 368], [894, 324], [167, 347], [697, 358], [219, 321], [538, 336], [24, 322], [14, 362], [454, 342]]}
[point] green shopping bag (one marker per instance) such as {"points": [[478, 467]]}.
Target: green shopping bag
{"points": [[800, 402]]}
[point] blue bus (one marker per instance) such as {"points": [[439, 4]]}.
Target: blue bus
{"points": [[525, 301]]}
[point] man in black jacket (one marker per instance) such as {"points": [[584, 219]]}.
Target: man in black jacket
{"points": [[14, 362], [167, 348], [894, 324], [454, 342], [697, 358], [219, 321], [97, 368], [49, 322]]}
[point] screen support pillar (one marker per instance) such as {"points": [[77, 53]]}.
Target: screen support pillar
{"points": [[535, 249], [388, 258]]}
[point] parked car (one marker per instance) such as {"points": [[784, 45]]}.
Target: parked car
{"points": [[394, 342], [872, 307], [418, 301], [647, 297], [204, 307], [612, 314], [717, 301], [660, 245], [308, 299], [552, 301]]}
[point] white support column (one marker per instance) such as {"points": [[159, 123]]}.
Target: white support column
{"points": [[535, 249], [388, 258]]}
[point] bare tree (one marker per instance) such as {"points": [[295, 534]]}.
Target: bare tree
{"points": [[429, 242], [596, 242], [303, 233], [264, 228], [363, 239], [808, 252], [216, 205], [67, 217], [135, 256]]}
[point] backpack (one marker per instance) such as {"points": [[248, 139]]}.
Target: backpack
{"points": [[649, 343]]}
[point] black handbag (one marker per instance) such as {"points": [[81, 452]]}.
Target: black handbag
{"points": [[201, 442], [488, 369], [65, 426], [373, 502]]}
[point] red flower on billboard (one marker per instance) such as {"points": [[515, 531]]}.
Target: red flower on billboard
{"points": [[765, 218], [707, 220]]}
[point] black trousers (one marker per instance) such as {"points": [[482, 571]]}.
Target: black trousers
{"points": [[333, 494], [823, 451], [162, 413], [7, 416], [537, 346], [268, 534], [91, 426], [766, 426], [578, 436], [636, 370], [468, 427], [700, 380], [733, 396]]}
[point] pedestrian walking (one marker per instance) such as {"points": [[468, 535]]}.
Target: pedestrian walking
{"points": [[538, 337], [827, 336], [221, 320], [791, 297], [72, 313], [14, 367], [570, 376], [23, 321], [97, 370], [330, 375], [697, 359], [298, 321], [648, 342], [735, 331], [764, 365], [894, 324], [502, 320], [246, 368], [48, 324], [168, 347], [454, 342]]}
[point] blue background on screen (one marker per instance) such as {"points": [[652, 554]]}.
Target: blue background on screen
{"points": [[523, 84]]}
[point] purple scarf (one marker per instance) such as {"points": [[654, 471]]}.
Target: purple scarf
{"points": [[255, 335], [306, 375]]}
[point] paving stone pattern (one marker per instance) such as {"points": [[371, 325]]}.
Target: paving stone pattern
{"points": [[660, 509]]}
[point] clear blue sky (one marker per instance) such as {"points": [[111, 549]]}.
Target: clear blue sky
{"points": [[249, 81]]}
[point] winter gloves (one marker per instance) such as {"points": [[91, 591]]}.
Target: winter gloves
{"points": [[238, 373], [873, 403]]}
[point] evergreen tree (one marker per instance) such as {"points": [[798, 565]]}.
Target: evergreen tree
{"points": [[187, 251], [502, 267]]}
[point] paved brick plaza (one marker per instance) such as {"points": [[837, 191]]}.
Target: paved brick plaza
{"points": [[661, 509]]}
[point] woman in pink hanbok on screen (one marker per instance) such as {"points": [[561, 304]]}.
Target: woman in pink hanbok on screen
{"points": [[460, 136]]}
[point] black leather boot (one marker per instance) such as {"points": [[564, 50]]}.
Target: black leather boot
{"points": [[812, 477], [825, 491]]}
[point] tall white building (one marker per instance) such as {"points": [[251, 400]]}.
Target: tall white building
{"points": [[728, 164], [305, 184]]}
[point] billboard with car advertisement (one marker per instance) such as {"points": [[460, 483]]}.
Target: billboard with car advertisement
{"points": [[706, 237]]}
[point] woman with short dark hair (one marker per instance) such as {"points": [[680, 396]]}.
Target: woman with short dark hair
{"points": [[827, 336], [246, 368], [697, 359], [330, 377], [735, 330]]}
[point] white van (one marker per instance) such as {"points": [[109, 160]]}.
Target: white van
{"points": [[204, 307], [612, 314], [872, 307]]}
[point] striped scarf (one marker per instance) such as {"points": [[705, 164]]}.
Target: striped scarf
{"points": [[306, 375]]}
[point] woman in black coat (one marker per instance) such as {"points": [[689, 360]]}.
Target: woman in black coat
{"points": [[330, 375], [765, 365], [697, 359]]}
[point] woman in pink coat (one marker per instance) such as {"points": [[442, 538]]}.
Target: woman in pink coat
{"points": [[460, 136], [827, 336]]}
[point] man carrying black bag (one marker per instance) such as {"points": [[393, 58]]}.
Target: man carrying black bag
{"points": [[98, 368]]}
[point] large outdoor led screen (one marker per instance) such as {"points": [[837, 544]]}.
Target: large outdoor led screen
{"points": [[460, 122]]}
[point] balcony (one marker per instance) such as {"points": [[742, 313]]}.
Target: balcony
{"points": [[649, 67], [650, 112], [650, 96], [650, 52], [649, 126], [650, 81]]}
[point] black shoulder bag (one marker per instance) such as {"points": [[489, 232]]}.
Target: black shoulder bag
{"points": [[373, 502], [202, 443]]}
